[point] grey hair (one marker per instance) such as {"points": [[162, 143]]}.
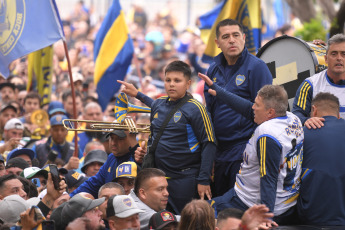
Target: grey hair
{"points": [[335, 39], [111, 185], [275, 97]]}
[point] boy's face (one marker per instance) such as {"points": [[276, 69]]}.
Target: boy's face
{"points": [[31, 104], [176, 85]]}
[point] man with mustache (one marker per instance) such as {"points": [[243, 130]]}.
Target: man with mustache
{"points": [[331, 80]]}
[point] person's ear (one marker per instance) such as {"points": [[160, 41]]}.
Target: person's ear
{"points": [[189, 82], [271, 113], [313, 111], [111, 224], [216, 40], [142, 193]]}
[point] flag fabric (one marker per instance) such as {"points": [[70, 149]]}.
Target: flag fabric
{"points": [[113, 54], [26, 26], [246, 12], [41, 67]]}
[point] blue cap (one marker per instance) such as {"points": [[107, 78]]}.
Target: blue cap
{"points": [[56, 106], [16, 152], [57, 119]]}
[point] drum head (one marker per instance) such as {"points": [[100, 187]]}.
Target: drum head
{"points": [[290, 61]]}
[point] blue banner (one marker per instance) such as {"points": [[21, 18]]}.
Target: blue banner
{"points": [[26, 26], [113, 54]]}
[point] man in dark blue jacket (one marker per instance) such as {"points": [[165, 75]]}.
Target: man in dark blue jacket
{"points": [[243, 74], [323, 175], [122, 144]]}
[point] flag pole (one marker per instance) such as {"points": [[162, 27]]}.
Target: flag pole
{"points": [[75, 154]]}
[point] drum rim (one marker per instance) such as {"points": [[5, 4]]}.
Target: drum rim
{"points": [[284, 36], [262, 49]]}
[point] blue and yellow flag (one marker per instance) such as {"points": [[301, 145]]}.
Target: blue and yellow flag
{"points": [[246, 12], [41, 67], [26, 26], [113, 54]]}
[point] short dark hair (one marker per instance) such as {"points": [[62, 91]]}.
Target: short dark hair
{"points": [[327, 102], [228, 22], [5, 178], [111, 185], [229, 213], [32, 95], [144, 175], [179, 66], [68, 93], [29, 187]]}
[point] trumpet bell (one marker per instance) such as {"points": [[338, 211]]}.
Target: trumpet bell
{"points": [[122, 107], [39, 117]]}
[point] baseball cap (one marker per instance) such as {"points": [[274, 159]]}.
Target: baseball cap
{"points": [[127, 169], [56, 216], [55, 106], [119, 133], [6, 106], [74, 179], [57, 119], [14, 123], [17, 152], [161, 219], [96, 155], [77, 206], [11, 207], [31, 172], [122, 206], [17, 162], [77, 77]]}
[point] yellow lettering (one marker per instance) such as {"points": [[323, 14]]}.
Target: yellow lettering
{"points": [[19, 21]]}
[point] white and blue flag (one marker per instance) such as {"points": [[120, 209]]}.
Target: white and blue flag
{"points": [[26, 26]]}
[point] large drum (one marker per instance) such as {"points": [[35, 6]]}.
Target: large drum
{"points": [[291, 60]]}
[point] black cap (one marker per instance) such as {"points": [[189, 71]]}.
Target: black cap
{"points": [[118, 132], [161, 219], [74, 179], [17, 162], [6, 106]]}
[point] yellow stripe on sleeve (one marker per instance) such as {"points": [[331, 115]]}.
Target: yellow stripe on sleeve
{"points": [[262, 156], [194, 146], [303, 95], [206, 120]]}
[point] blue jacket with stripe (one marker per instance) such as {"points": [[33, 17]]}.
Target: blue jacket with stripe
{"points": [[106, 173], [187, 145], [244, 79]]}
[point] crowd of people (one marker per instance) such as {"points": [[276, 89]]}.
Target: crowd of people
{"points": [[224, 151]]}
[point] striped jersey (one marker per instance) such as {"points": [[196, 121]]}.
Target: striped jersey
{"points": [[313, 85], [279, 140], [180, 148]]}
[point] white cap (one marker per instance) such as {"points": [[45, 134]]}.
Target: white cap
{"points": [[14, 123], [122, 206], [11, 207]]}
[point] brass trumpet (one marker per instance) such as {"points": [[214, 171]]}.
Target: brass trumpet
{"points": [[104, 126], [122, 107]]}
